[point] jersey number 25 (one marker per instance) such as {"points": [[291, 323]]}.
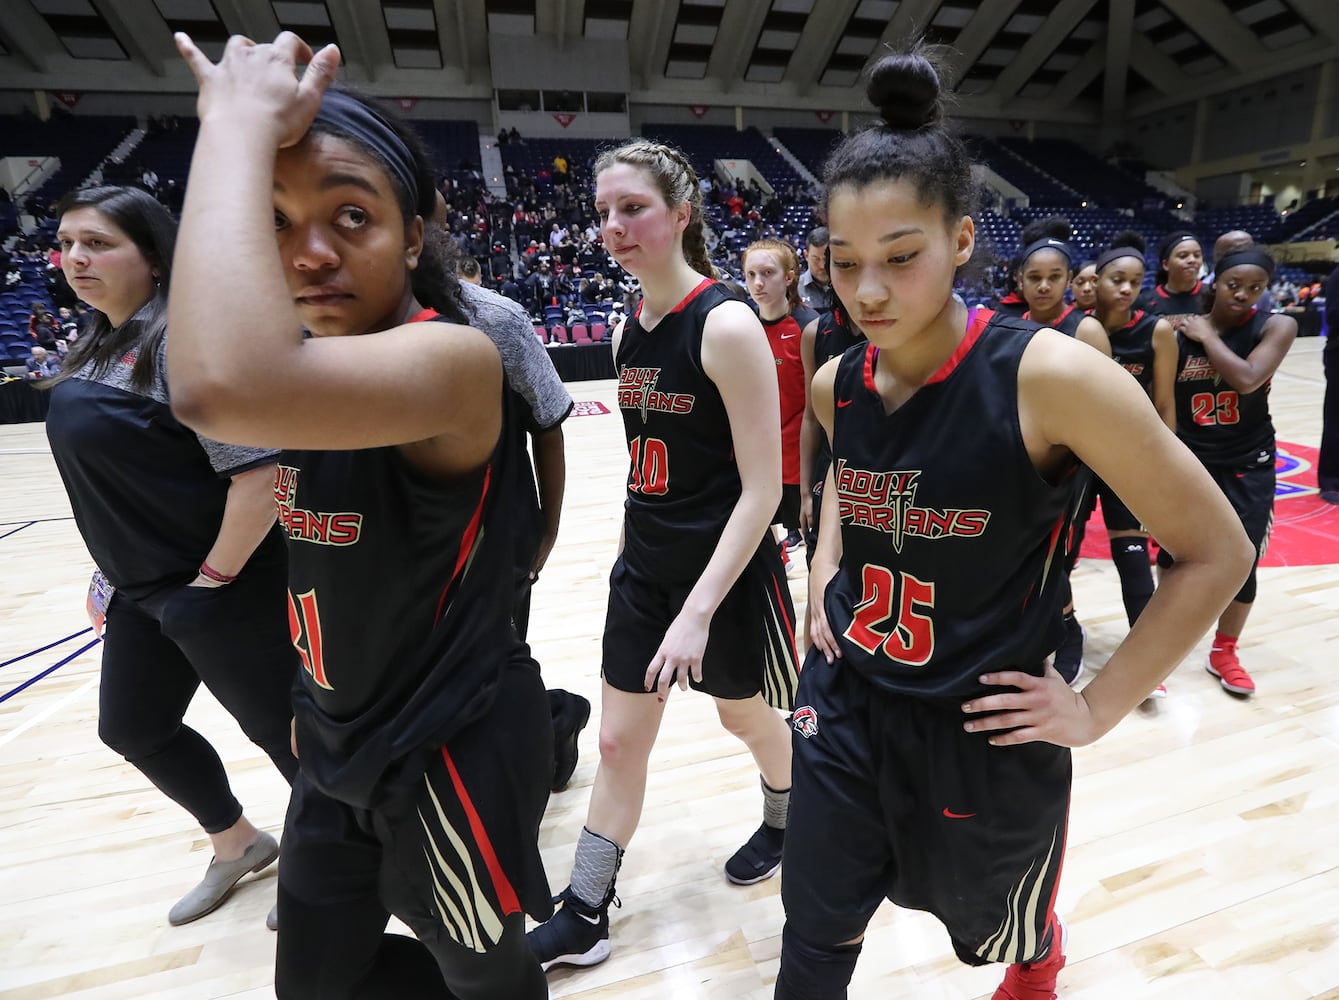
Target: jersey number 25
{"points": [[911, 639]]}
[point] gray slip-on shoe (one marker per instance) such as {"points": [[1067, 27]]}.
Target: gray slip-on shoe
{"points": [[220, 877], [272, 918]]}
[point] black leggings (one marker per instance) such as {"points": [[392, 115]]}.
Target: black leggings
{"points": [[156, 653]]}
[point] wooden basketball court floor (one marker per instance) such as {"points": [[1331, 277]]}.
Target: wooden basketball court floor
{"points": [[1203, 857]]}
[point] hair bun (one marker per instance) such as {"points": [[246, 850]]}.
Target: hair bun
{"points": [[905, 88], [1129, 238]]}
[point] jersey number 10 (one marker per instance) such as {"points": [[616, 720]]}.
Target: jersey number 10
{"points": [[911, 640], [650, 466]]}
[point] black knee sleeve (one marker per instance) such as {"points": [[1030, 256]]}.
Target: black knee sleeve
{"points": [[813, 971], [1246, 595], [1130, 554]]}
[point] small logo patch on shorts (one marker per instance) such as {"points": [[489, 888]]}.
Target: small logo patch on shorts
{"points": [[805, 721]]}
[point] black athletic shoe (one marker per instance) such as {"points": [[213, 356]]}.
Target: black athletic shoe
{"points": [[1069, 654], [793, 541], [759, 858], [570, 714], [576, 934]]}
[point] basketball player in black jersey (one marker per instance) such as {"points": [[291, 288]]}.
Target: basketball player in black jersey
{"points": [[1228, 358], [1044, 272], [931, 738], [831, 335], [1145, 346], [1083, 287], [1179, 291], [697, 595], [421, 724]]}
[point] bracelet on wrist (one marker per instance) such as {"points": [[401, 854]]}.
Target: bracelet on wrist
{"points": [[210, 573]]}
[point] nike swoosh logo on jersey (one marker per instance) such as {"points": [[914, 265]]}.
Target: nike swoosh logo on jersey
{"points": [[791, 337], [950, 814], [844, 402]]}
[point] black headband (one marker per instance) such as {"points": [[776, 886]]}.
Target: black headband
{"points": [[1047, 244], [356, 120], [1175, 240], [1116, 253], [1247, 256]]}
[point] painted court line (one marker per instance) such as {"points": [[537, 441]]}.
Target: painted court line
{"points": [[50, 645], [48, 712], [49, 670]]}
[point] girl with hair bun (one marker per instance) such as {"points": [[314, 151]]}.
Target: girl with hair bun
{"points": [[697, 594], [1083, 287], [421, 724], [771, 275], [1179, 292], [1228, 357], [932, 736]]}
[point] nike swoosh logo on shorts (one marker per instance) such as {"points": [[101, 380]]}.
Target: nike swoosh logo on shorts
{"points": [[844, 402], [950, 814]]}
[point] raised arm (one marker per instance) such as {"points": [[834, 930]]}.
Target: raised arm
{"points": [[736, 358], [239, 367], [1251, 372]]}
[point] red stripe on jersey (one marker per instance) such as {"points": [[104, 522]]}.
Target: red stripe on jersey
{"points": [[1249, 316], [466, 544], [1059, 319], [871, 355], [976, 324], [702, 286], [424, 316], [1135, 318], [781, 607], [506, 895]]}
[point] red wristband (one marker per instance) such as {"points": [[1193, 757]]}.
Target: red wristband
{"points": [[209, 573]]}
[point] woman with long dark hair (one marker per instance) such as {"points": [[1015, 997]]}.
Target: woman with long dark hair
{"points": [[183, 527]]}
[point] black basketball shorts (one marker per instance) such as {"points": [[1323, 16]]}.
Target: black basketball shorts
{"points": [[892, 799], [751, 643], [1249, 488], [457, 852], [788, 510], [1115, 514]]}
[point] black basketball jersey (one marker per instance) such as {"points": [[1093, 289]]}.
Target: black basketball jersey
{"points": [[1161, 302], [835, 335], [1067, 322], [683, 481], [952, 544], [1220, 425], [1011, 305], [1132, 346], [400, 595]]}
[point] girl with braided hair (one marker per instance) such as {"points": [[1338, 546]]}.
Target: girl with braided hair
{"points": [[698, 594]]}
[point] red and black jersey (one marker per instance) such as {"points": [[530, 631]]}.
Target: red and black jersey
{"points": [[1172, 305], [1220, 425], [1132, 346], [683, 481], [1067, 322], [1011, 305], [952, 544], [835, 336], [783, 336], [400, 595]]}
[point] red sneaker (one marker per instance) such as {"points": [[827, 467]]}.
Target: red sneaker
{"points": [[1224, 665], [1036, 980]]}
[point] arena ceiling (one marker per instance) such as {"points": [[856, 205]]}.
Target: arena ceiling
{"points": [[1083, 59]]}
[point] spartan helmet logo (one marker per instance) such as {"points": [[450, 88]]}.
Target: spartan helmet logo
{"points": [[805, 721]]}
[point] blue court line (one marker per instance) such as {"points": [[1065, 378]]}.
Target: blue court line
{"points": [[15, 531], [49, 670], [50, 645], [37, 520]]}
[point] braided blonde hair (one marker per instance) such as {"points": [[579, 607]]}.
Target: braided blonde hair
{"points": [[677, 182]]}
